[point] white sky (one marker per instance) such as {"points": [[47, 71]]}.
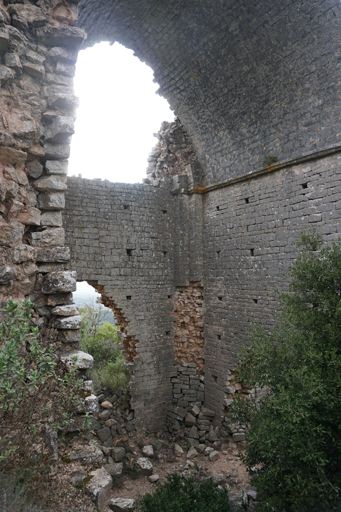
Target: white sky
{"points": [[119, 112]]}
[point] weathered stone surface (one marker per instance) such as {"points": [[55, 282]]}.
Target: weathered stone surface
{"points": [[56, 299], [30, 13], [4, 39], [51, 201], [63, 54], [56, 167], [88, 456], [60, 129], [178, 451], [24, 253], [49, 238], [238, 436], [11, 234], [114, 470], [29, 216], [6, 74], [60, 282], [99, 487], [35, 70], [148, 451], [70, 37], [118, 454], [106, 405], [82, 360], [207, 412], [213, 456], [144, 467], [153, 479], [90, 404], [54, 254], [68, 310], [34, 169], [103, 434], [51, 183], [105, 415], [12, 156], [56, 151], [68, 336], [192, 453], [6, 274], [122, 504], [69, 322], [51, 219], [190, 420], [77, 478], [12, 60]]}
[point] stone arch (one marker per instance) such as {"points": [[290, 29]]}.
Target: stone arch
{"points": [[240, 76]]}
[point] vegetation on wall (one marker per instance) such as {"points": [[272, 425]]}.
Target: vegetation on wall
{"points": [[293, 449], [99, 338]]}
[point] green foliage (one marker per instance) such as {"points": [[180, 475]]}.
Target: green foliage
{"points": [[101, 341], [293, 447], [185, 496], [35, 391], [270, 160]]}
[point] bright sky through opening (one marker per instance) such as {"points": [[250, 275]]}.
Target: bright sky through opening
{"points": [[118, 114]]}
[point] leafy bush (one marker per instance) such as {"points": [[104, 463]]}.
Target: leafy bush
{"points": [[101, 341], [185, 496], [37, 397], [293, 449]]}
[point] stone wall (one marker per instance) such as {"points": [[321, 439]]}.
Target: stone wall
{"points": [[38, 52], [121, 240], [249, 232]]}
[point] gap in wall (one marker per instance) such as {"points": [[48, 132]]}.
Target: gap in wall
{"points": [[118, 114]]}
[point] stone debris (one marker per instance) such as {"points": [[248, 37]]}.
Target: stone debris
{"points": [[148, 451], [192, 453], [153, 479], [114, 470], [178, 451], [121, 504], [88, 456], [99, 487], [213, 456], [144, 467], [77, 478]]}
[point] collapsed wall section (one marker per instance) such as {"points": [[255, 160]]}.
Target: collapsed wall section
{"points": [[249, 230], [121, 237]]}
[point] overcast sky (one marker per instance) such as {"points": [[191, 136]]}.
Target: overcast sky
{"points": [[119, 112]]}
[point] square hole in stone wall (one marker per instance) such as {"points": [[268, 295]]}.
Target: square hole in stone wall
{"points": [[304, 185], [129, 252], [255, 301], [246, 199], [252, 252], [128, 297], [164, 211], [126, 206], [218, 208]]}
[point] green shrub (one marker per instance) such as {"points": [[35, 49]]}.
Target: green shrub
{"points": [[108, 370], [293, 449], [177, 495], [36, 393]]}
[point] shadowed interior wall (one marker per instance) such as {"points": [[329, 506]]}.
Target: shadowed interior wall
{"points": [[121, 237]]}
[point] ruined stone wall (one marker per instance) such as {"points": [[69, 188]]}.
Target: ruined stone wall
{"points": [[38, 52], [121, 240], [246, 79], [249, 230]]}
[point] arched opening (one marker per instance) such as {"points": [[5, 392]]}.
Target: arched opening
{"points": [[118, 115]]}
